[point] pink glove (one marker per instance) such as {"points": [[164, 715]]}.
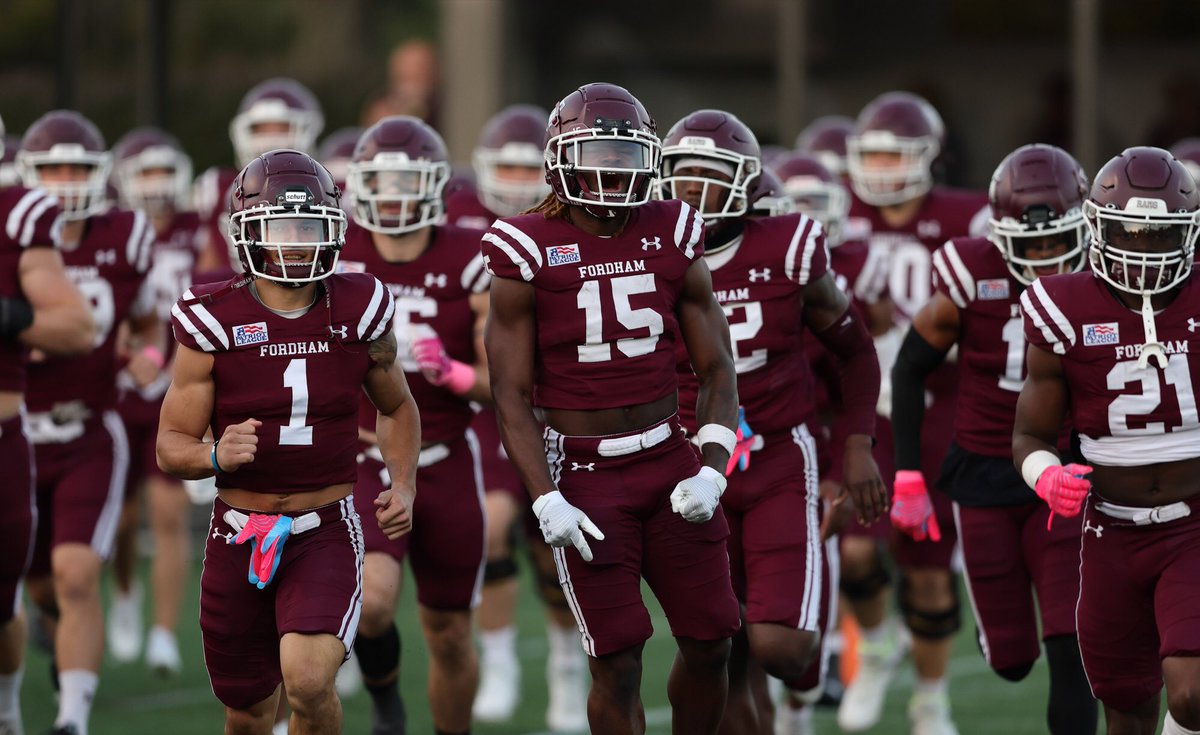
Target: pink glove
{"points": [[912, 512], [1064, 487], [439, 368]]}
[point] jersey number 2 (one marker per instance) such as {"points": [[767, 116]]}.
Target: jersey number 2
{"points": [[1176, 375], [295, 433]]}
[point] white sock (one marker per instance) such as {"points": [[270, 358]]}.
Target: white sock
{"points": [[10, 696], [931, 686], [77, 689], [565, 647], [1171, 727], [499, 644], [877, 634]]}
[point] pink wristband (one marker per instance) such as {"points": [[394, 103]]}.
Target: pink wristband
{"points": [[154, 355], [460, 378]]}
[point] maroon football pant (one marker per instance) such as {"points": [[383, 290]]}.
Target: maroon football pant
{"points": [[447, 546], [1008, 555], [19, 517], [317, 589], [1139, 602], [628, 498]]}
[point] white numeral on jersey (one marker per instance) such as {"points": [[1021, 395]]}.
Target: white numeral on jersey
{"points": [[99, 294], [744, 329], [910, 274], [595, 349], [1013, 335], [407, 331], [1176, 375], [296, 433]]}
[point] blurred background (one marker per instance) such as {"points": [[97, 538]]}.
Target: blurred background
{"points": [[1093, 76]]}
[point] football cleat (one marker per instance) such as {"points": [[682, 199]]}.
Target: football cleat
{"points": [[499, 688], [162, 653], [568, 683], [125, 625], [929, 714], [862, 702]]}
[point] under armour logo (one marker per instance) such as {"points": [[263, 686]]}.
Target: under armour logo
{"points": [[106, 257], [1087, 526], [590, 466], [647, 243], [227, 536], [431, 280], [341, 332], [762, 275], [1193, 325]]}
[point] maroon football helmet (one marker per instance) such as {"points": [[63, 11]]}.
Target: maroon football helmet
{"points": [[601, 149], [67, 137], [1037, 191], [396, 178], [512, 138], [1188, 153], [152, 171], [815, 192], [280, 102], [286, 219], [899, 123], [717, 142], [336, 152], [767, 197], [825, 138], [1143, 215]]}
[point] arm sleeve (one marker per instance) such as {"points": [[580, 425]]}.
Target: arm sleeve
{"points": [[916, 360]]}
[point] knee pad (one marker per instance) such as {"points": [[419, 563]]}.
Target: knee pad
{"points": [[499, 570], [551, 591], [933, 625], [378, 657], [867, 587]]}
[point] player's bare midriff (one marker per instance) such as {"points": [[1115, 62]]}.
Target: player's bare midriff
{"points": [[284, 502], [10, 404], [1148, 485], [602, 421]]}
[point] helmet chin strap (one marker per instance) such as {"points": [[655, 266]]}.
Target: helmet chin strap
{"points": [[1152, 348]]}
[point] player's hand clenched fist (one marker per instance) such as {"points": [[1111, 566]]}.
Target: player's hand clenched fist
{"points": [[394, 511], [238, 445], [696, 498]]}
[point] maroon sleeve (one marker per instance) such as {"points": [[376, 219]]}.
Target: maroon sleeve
{"points": [[1045, 324], [807, 257], [34, 220], [509, 252]]}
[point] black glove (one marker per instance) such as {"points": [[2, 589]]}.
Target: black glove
{"points": [[15, 316]]}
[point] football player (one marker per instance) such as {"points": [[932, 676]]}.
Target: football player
{"points": [[80, 445], [40, 309], [1036, 229], [1113, 347], [274, 363], [771, 277], [435, 275], [153, 174], [825, 138], [898, 211]]}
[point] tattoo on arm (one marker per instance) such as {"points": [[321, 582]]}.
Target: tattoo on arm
{"points": [[383, 350]]}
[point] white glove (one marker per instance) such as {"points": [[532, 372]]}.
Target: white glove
{"points": [[563, 524], [201, 492], [696, 497]]}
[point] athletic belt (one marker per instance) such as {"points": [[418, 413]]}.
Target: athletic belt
{"points": [[1145, 516], [307, 522], [430, 455], [622, 445]]}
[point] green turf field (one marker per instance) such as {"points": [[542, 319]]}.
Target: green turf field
{"points": [[132, 702]]}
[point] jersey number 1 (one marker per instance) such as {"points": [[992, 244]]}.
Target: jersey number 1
{"points": [[594, 348], [296, 433]]}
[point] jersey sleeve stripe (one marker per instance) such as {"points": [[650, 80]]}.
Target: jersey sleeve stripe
{"points": [[371, 310], [789, 260], [965, 279], [13, 226], [1030, 306], [681, 223], [207, 319], [197, 333], [689, 247], [135, 237], [1060, 320], [470, 274], [525, 241], [814, 240], [516, 258], [482, 283], [947, 277], [32, 219], [384, 321], [146, 248]]}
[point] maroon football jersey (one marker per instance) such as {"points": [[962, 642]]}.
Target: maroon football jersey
{"points": [[759, 281], [432, 295], [109, 267], [31, 218], [991, 344], [211, 198], [606, 326], [464, 209], [1126, 415], [302, 378], [944, 214]]}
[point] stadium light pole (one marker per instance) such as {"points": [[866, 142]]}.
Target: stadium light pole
{"points": [[472, 63], [1085, 77], [791, 55]]}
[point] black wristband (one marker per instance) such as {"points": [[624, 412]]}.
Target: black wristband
{"points": [[916, 360], [15, 316]]}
